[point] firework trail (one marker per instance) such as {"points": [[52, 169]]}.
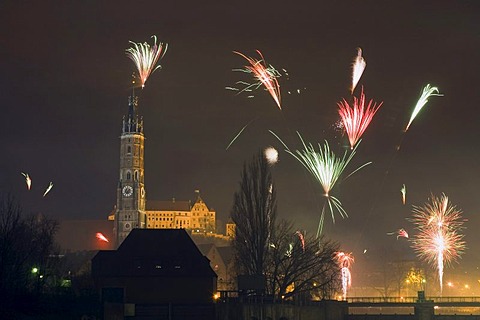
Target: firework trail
{"points": [[358, 66], [50, 186], [400, 233], [345, 261], [28, 181], [263, 74], [427, 92], [439, 240], [146, 57], [326, 168], [356, 118], [302, 239], [271, 154], [101, 237], [404, 194], [239, 133]]}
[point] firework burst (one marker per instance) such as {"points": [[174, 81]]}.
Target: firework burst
{"points": [[50, 186], [401, 233], [403, 191], [326, 168], [263, 74], [271, 154], [358, 66], [146, 57], [439, 240], [101, 237], [427, 92], [345, 261], [356, 118], [28, 180]]}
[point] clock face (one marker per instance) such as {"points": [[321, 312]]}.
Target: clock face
{"points": [[127, 191]]}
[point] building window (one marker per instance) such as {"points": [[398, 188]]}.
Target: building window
{"points": [[129, 149], [129, 176], [136, 175]]}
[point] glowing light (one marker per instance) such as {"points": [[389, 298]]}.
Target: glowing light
{"points": [[427, 92], [28, 181], [439, 240], [400, 233], [146, 57], [264, 74], [326, 168], [50, 186], [359, 65], [302, 239], [345, 261], [34, 270], [101, 237], [404, 194], [356, 119], [271, 154]]}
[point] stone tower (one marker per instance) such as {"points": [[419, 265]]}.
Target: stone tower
{"points": [[131, 195]]}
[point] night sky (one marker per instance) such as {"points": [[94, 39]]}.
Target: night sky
{"points": [[65, 80]]}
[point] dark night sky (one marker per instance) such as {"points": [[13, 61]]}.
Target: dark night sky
{"points": [[65, 81]]}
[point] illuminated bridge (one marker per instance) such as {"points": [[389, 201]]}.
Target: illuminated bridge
{"points": [[376, 308], [412, 301]]}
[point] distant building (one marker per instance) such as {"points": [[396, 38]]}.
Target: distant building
{"points": [[181, 215], [155, 273]]}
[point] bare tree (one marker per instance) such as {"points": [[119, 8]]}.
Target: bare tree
{"points": [[289, 263], [254, 212], [25, 246], [302, 264]]}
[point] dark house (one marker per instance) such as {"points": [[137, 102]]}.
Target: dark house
{"points": [[155, 273]]}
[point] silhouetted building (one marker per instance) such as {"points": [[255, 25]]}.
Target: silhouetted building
{"points": [[222, 262], [155, 273]]}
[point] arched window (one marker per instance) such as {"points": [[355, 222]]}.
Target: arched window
{"points": [[135, 175], [129, 176], [129, 149]]}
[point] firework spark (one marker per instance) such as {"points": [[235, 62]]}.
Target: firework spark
{"points": [[404, 194], [358, 66], [356, 119], [264, 74], [101, 237], [50, 186], [427, 92], [401, 233], [271, 154], [345, 261], [302, 239], [28, 180], [326, 168], [146, 57], [439, 240]]}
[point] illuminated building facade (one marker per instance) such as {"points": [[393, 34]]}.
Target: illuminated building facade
{"points": [[181, 215], [131, 196]]}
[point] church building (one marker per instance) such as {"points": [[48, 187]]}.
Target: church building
{"points": [[132, 209]]}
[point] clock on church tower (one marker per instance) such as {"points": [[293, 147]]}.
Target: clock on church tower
{"points": [[131, 195]]}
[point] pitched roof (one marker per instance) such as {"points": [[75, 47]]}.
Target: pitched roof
{"points": [[205, 248], [153, 252], [226, 253], [160, 205]]}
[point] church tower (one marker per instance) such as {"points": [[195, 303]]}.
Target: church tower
{"points": [[131, 196]]}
